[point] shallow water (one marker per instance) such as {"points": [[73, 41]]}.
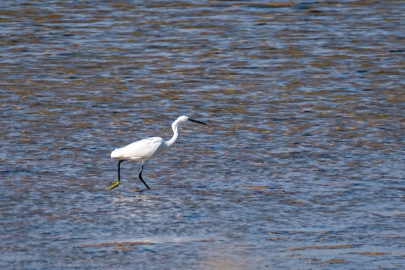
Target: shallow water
{"points": [[300, 167]]}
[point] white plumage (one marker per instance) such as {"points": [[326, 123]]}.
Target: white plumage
{"points": [[145, 149], [140, 150]]}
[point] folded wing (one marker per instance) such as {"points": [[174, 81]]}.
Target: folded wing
{"points": [[140, 150]]}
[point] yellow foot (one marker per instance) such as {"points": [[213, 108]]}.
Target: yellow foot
{"points": [[113, 184]]}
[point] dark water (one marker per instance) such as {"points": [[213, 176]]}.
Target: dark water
{"points": [[301, 166]]}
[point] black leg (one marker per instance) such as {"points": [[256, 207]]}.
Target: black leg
{"points": [[119, 170], [140, 177], [115, 184]]}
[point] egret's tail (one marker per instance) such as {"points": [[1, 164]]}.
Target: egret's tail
{"points": [[116, 154]]}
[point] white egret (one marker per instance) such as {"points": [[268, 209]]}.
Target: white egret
{"points": [[145, 149]]}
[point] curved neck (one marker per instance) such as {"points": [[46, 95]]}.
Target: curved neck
{"points": [[170, 142]]}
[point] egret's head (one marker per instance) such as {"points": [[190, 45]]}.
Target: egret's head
{"points": [[182, 119]]}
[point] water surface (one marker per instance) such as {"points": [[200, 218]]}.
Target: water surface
{"points": [[300, 167]]}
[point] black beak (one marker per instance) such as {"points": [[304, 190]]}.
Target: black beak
{"points": [[196, 121]]}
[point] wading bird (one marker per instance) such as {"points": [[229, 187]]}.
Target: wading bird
{"points": [[147, 148]]}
